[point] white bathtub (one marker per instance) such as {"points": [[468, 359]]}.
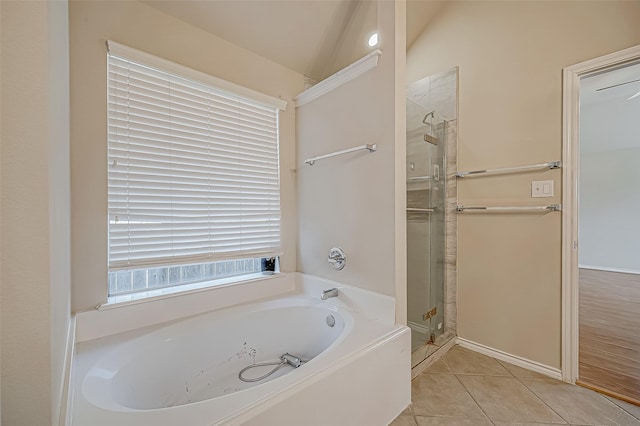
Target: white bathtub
{"points": [[186, 373]]}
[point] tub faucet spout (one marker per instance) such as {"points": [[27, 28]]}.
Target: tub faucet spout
{"points": [[332, 292]]}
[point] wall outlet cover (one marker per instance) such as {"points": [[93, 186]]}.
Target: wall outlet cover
{"points": [[541, 188]]}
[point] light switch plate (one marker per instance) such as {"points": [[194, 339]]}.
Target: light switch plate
{"points": [[541, 188]]}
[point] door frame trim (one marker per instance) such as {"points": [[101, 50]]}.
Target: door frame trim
{"points": [[570, 173]]}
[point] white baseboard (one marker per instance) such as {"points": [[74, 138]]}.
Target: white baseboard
{"points": [[554, 373]]}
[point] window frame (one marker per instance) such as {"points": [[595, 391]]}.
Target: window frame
{"points": [[219, 84]]}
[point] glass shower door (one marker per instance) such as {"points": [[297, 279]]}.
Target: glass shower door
{"points": [[425, 222]]}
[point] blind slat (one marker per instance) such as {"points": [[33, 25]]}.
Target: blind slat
{"points": [[193, 171]]}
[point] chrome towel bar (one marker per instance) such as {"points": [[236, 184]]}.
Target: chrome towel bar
{"points": [[369, 147], [550, 208], [416, 210], [551, 165]]}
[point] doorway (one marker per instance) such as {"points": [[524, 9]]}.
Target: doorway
{"points": [[601, 236]]}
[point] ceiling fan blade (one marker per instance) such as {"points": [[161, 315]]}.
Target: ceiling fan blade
{"points": [[616, 85]]}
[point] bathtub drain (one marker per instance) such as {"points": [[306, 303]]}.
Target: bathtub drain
{"points": [[285, 359]]}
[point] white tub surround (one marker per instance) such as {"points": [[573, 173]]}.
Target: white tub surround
{"points": [[186, 372], [110, 319]]}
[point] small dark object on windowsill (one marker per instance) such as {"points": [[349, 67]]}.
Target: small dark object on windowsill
{"points": [[268, 265]]}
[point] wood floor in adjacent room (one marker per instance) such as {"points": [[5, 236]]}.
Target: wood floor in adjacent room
{"points": [[609, 351]]}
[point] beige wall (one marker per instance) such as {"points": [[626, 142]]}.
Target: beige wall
{"points": [[0, 214], [142, 27], [346, 201], [35, 230], [511, 56], [1, 49], [608, 209]]}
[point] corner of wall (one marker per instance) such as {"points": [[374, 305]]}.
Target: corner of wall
{"points": [[59, 198], [400, 195], [34, 209], [350, 200], [1, 308]]}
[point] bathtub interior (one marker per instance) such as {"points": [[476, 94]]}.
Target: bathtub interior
{"points": [[200, 358]]}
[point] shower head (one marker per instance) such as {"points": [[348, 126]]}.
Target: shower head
{"points": [[427, 137], [432, 114]]}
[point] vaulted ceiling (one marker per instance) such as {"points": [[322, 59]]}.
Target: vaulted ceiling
{"points": [[314, 37]]}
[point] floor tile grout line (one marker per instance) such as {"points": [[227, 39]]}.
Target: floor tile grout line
{"points": [[510, 374], [603, 396], [533, 393], [521, 380], [497, 361], [502, 363], [629, 413], [473, 399], [559, 415], [545, 403], [463, 387], [608, 398], [413, 415], [466, 390], [479, 374], [540, 399]]}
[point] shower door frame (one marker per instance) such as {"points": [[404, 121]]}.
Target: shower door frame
{"points": [[570, 167]]}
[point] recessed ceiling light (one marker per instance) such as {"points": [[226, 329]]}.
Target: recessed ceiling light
{"points": [[373, 39]]}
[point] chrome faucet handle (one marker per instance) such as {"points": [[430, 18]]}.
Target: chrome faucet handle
{"points": [[337, 258]]}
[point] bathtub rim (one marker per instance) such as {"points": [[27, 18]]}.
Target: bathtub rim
{"points": [[87, 391], [307, 285], [96, 323]]}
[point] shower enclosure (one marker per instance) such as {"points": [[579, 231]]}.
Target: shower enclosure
{"points": [[431, 121]]}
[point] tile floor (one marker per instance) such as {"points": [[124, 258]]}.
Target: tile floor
{"points": [[466, 388]]}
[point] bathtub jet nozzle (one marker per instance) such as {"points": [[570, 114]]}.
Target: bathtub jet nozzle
{"points": [[285, 359], [292, 360]]}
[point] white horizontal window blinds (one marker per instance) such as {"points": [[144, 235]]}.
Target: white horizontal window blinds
{"points": [[193, 170]]}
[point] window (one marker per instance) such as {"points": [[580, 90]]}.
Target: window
{"points": [[193, 175]]}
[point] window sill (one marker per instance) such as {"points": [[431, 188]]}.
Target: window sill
{"points": [[162, 293]]}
